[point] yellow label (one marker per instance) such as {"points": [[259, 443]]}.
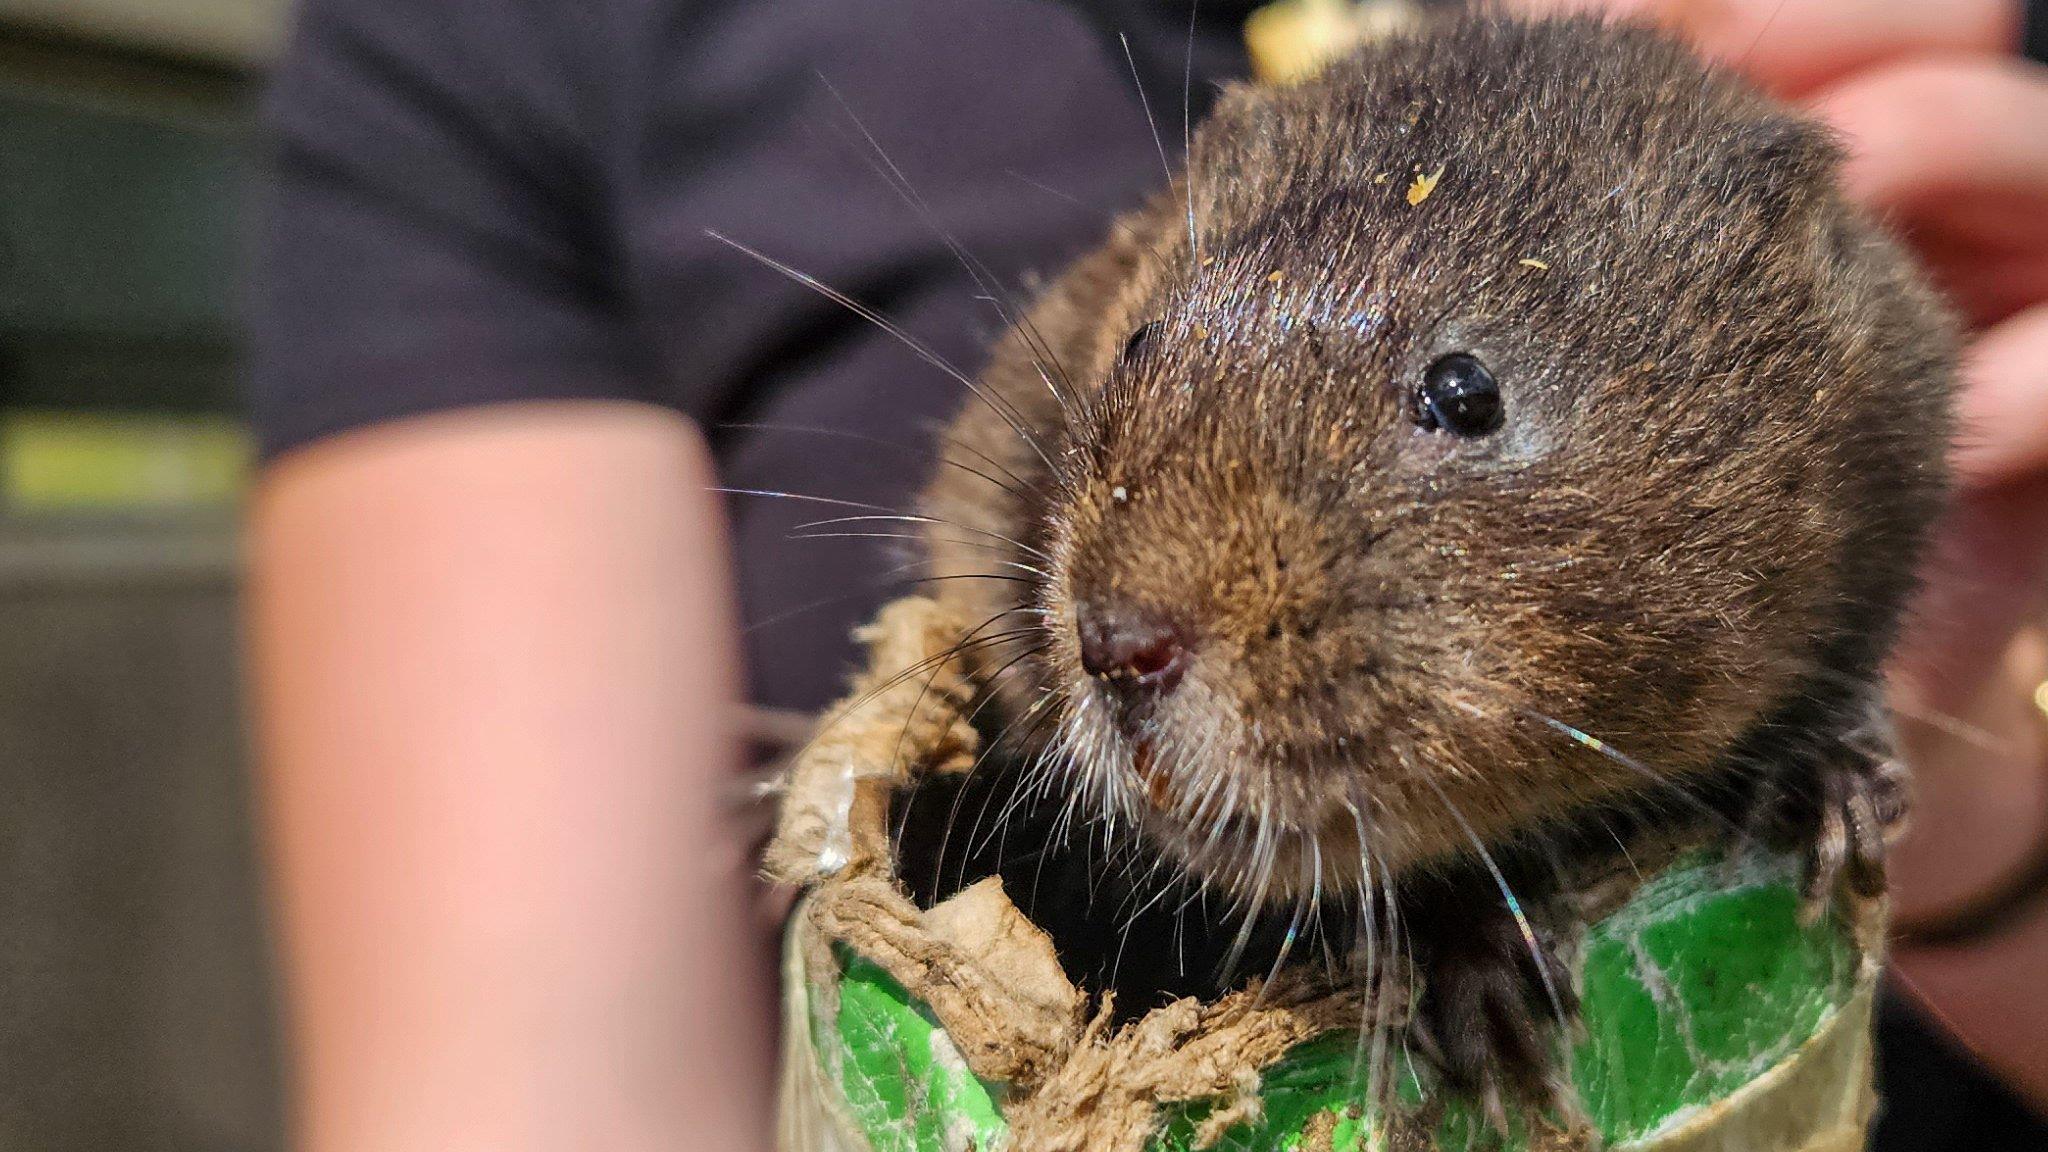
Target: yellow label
{"points": [[75, 461], [1291, 40]]}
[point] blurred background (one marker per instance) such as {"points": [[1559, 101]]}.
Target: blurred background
{"points": [[135, 1001]]}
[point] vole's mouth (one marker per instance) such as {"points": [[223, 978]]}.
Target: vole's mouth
{"points": [[1262, 812], [1259, 823]]}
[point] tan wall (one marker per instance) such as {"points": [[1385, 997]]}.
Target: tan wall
{"points": [[233, 31], [137, 1009]]}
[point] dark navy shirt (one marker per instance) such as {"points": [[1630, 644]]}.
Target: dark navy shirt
{"points": [[493, 200], [480, 201]]}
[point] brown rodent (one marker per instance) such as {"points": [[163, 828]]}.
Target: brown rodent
{"points": [[1511, 433]]}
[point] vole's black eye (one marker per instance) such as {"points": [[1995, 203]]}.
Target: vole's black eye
{"points": [[1137, 341], [1459, 396]]}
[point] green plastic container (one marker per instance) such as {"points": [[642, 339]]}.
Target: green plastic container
{"points": [[1715, 1020]]}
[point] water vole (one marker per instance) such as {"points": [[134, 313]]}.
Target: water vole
{"points": [[1507, 442]]}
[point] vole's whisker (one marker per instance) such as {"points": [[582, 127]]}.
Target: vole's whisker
{"points": [[982, 758], [1514, 903], [1366, 943], [1315, 893], [1187, 133], [1952, 725], [1040, 772], [1016, 318], [1915, 711], [1031, 723], [968, 643], [923, 351], [1662, 782], [1665, 782], [910, 718], [1247, 910], [800, 497], [992, 685], [907, 518], [1214, 781], [1046, 757], [1002, 576], [913, 537], [1145, 102], [1304, 899], [1014, 484], [1136, 902], [888, 578], [1116, 226], [875, 512]]}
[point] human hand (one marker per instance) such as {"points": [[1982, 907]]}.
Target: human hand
{"points": [[1944, 126]]}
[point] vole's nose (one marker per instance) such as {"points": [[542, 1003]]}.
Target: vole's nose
{"points": [[1131, 648]]}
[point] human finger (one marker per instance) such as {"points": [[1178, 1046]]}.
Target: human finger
{"points": [[2003, 408], [1952, 153], [1792, 47]]}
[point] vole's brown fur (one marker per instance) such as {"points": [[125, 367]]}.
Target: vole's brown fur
{"points": [[1726, 414]]}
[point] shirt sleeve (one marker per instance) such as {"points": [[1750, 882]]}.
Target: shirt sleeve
{"points": [[429, 233]]}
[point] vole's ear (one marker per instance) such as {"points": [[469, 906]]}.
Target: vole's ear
{"points": [[1776, 165]]}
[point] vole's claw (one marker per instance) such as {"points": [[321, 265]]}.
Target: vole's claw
{"points": [[1841, 808], [1844, 814], [1495, 1110]]}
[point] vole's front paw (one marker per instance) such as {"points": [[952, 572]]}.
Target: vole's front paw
{"points": [[1493, 1006], [1862, 801], [1842, 810]]}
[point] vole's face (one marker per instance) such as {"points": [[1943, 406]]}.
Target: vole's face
{"points": [[1398, 525]]}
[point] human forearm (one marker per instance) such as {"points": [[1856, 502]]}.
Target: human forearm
{"points": [[1971, 729], [1980, 817], [493, 660]]}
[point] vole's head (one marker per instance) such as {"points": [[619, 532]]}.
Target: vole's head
{"points": [[1413, 510]]}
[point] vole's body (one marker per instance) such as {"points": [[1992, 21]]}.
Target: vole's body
{"points": [[1674, 566]]}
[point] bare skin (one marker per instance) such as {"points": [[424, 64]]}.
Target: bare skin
{"points": [[493, 660]]}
